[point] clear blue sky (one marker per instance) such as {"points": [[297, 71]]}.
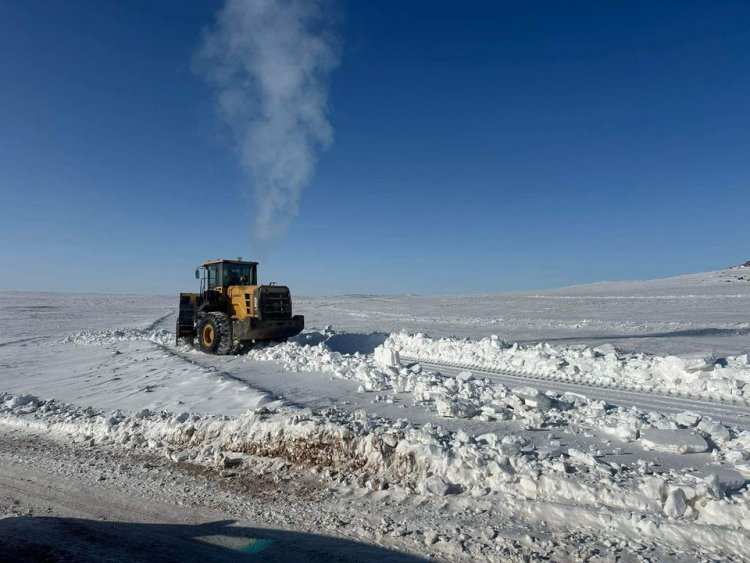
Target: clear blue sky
{"points": [[479, 147]]}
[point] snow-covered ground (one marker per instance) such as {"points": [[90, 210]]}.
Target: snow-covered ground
{"points": [[601, 420], [694, 313]]}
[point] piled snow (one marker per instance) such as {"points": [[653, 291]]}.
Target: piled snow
{"points": [[358, 450], [468, 397], [700, 376], [100, 337]]}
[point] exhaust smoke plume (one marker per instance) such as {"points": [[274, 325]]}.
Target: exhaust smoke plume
{"points": [[269, 62]]}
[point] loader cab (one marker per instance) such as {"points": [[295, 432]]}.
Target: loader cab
{"points": [[218, 275]]}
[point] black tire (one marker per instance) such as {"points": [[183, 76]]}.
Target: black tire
{"points": [[215, 334]]}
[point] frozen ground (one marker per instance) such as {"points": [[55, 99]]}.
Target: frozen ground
{"points": [[605, 421]]}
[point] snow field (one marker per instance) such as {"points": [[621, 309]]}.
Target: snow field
{"points": [[372, 414], [377, 453], [707, 312], [132, 369]]}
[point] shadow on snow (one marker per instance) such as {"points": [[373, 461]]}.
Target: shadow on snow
{"points": [[696, 332], [25, 539], [344, 342]]}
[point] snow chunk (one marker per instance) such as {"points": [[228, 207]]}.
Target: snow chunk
{"points": [[687, 418], [582, 457], [696, 362], [465, 376], [386, 357], [673, 441], [716, 430], [181, 456], [533, 398], [676, 503], [435, 486], [455, 408], [654, 488], [729, 479], [21, 400]]}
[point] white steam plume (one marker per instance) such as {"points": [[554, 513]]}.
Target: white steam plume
{"points": [[269, 61]]}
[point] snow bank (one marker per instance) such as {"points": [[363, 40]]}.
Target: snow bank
{"points": [[702, 376], [100, 337], [469, 397], [358, 450], [466, 396]]}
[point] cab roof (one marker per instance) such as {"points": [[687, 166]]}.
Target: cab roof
{"points": [[223, 261]]}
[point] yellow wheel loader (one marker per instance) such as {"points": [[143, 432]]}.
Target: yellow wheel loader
{"points": [[232, 310]]}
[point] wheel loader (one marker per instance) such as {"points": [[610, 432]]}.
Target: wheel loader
{"points": [[232, 310]]}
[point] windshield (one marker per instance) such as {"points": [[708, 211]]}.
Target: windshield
{"points": [[239, 274], [212, 276]]}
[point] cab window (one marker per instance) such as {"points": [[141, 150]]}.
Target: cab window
{"points": [[239, 274], [212, 275]]}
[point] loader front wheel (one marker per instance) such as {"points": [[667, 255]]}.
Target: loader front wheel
{"points": [[215, 334]]}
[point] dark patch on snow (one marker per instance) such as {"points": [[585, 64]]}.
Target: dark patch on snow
{"points": [[344, 342], [349, 343], [75, 539], [34, 307]]}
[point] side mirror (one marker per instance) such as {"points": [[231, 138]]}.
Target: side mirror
{"points": [[197, 274]]}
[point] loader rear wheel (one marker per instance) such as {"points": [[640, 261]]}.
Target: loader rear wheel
{"points": [[215, 334]]}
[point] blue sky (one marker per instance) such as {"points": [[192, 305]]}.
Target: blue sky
{"points": [[479, 147]]}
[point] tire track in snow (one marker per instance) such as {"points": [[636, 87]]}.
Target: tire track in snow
{"points": [[219, 373], [154, 324], [728, 413], [24, 340]]}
